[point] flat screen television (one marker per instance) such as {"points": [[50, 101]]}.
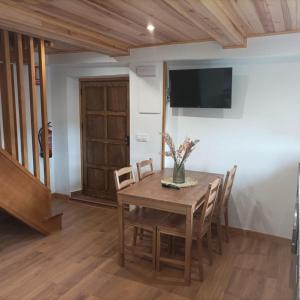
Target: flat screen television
{"points": [[206, 88]]}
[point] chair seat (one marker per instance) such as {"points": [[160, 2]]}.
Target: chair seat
{"points": [[145, 217], [174, 224]]}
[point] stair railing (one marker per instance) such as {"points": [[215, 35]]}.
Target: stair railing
{"points": [[17, 53]]}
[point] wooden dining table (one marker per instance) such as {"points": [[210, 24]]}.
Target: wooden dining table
{"points": [[185, 201]]}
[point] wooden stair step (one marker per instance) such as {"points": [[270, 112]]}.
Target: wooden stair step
{"points": [[56, 211], [25, 197], [54, 222]]}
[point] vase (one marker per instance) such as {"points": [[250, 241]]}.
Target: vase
{"points": [[178, 173]]}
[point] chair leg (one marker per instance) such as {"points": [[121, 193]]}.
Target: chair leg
{"points": [[141, 230], [219, 234], [135, 231], [199, 255], [154, 242], [157, 267], [209, 245], [226, 225], [141, 233]]}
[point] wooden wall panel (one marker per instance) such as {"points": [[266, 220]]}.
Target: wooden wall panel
{"points": [[113, 27], [44, 113], [164, 107], [21, 99], [7, 99], [33, 109], [13, 102], [14, 108]]}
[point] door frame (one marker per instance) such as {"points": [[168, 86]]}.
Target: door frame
{"points": [[101, 79]]}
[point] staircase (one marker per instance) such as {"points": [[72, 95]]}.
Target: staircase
{"points": [[22, 194], [25, 197]]}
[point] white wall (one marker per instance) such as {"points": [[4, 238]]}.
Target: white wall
{"points": [[149, 122], [261, 133]]}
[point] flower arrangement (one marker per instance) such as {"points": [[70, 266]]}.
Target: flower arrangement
{"points": [[179, 156]]}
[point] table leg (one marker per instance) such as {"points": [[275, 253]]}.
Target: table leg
{"points": [[121, 233], [188, 245]]}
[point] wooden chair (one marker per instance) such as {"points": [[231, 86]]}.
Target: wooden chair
{"points": [[127, 171], [174, 225], [139, 218], [143, 164], [222, 207]]}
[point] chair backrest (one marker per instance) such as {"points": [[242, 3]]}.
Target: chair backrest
{"points": [[143, 164], [126, 172], [227, 187], [210, 202]]}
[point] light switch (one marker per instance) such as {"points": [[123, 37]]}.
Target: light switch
{"points": [[142, 137]]}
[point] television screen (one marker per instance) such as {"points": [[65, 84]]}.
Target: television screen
{"points": [[207, 88]]}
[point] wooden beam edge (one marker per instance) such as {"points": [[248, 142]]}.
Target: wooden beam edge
{"points": [[12, 20], [164, 109]]}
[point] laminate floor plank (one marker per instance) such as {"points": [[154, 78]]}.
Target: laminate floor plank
{"points": [[81, 262]]}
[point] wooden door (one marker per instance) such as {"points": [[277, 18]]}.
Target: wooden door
{"points": [[105, 134]]}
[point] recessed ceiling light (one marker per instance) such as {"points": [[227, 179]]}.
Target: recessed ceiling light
{"points": [[150, 28]]}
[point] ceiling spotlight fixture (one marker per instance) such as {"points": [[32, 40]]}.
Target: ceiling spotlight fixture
{"points": [[150, 28]]}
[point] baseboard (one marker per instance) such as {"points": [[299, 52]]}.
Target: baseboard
{"points": [[259, 235], [60, 196], [94, 201], [233, 230]]}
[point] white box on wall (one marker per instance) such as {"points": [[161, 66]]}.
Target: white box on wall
{"points": [[149, 85], [146, 71]]}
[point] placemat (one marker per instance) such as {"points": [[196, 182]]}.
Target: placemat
{"points": [[189, 181]]}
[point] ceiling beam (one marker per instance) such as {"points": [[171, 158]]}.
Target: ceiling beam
{"points": [[234, 34], [236, 15], [33, 23], [208, 16]]}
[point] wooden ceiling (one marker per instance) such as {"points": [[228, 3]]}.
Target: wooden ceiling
{"points": [[114, 26]]}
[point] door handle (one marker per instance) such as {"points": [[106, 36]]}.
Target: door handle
{"points": [[127, 140]]}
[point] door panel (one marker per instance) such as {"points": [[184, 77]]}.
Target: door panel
{"points": [[95, 127], [116, 155], [95, 153], [105, 128], [114, 95], [116, 127], [95, 98], [96, 179]]}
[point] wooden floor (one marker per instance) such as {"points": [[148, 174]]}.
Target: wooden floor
{"points": [[81, 263]]}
